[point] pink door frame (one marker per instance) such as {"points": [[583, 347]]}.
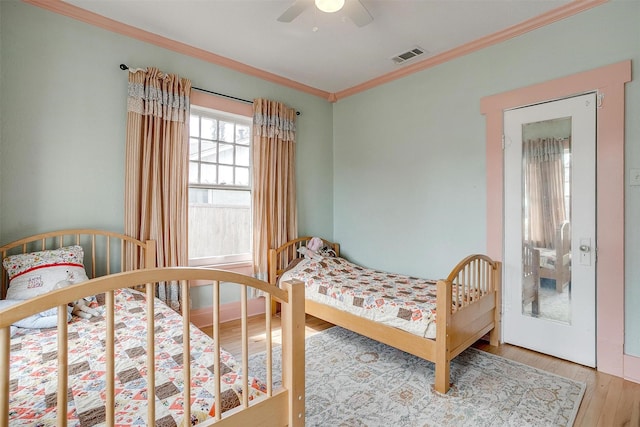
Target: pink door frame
{"points": [[609, 82]]}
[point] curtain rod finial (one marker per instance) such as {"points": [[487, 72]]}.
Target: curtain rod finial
{"points": [[123, 67]]}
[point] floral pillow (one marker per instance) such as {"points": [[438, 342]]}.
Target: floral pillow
{"points": [[36, 273]]}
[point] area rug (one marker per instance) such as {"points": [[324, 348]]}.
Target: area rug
{"points": [[355, 381]]}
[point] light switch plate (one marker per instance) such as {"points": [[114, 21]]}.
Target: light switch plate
{"points": [[634, 177]]}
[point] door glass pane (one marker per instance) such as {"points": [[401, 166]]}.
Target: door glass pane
{"points": [[546, 219]]}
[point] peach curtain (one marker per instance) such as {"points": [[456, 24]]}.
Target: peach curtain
{"points": [[156, 168], [275, 218], [544, 176]]}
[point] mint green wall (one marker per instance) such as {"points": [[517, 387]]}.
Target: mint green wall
{"points": [[63, 111], [409, 156]]}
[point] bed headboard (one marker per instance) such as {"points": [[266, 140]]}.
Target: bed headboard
{"points": [[105, 252], [279, 258]]}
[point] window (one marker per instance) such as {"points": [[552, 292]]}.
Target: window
{"points": [[219, 187]]}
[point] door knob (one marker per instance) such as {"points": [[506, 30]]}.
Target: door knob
{"points": [[585, 248]]}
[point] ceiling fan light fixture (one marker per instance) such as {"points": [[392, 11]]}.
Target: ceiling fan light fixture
{"points": [[329, 6]]}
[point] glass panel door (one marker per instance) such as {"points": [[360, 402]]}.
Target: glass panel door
{"points": [[549, 217]]}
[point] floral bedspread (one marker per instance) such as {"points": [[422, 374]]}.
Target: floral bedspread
{"points": [[404, 302], [34, 364]]}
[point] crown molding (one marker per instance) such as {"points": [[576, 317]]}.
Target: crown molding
{"points": [[69, 10], [547, 18], [103, 22]]}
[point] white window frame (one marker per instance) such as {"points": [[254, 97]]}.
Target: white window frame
{"points": [[236, 262]]}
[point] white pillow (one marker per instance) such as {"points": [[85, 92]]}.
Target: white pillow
{"points": [[36, 273]]}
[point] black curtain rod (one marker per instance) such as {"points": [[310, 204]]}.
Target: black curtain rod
{"points": [[125, 67]]}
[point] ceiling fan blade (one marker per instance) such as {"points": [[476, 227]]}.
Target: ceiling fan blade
{"points": [[294, 10], [359, 14]]}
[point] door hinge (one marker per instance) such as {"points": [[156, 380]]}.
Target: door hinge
{"points": [[503, 141]]}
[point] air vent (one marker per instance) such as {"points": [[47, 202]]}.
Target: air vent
{"points": [[408, 55]]}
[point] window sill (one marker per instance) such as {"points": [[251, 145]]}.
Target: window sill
{"points": [[243, 267]]}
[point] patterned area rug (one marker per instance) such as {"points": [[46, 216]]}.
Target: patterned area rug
{"points": [[354, 381]]}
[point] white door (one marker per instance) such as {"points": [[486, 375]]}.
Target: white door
{"points": [[550, 228]]}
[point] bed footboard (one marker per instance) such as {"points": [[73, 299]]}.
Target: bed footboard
{"points": [[468, 307]]}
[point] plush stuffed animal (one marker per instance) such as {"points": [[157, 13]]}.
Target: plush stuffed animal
{"points": [[314, 244], [310, 251], [82, 307], [327, 251]]}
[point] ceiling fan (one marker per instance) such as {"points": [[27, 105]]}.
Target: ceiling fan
{"points": [[354, 9]]}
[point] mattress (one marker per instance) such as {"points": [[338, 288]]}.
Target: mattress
{"points": [[400, 301], [33, 360]]}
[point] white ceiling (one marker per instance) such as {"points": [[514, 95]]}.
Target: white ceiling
{"points": [[336, 57]]}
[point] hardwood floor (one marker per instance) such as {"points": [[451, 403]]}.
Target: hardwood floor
{"points": [[608, 401]]}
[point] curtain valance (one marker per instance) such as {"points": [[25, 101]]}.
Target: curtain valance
{"points": [[153, 93], [273, 119]]}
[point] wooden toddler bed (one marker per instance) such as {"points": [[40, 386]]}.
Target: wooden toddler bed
{"points": [[100, 369], [555, 263], [543, 263], [467, 302]]}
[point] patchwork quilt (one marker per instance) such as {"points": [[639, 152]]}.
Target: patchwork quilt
{"points": [[404, 302], [547, 258], [34, 363]]}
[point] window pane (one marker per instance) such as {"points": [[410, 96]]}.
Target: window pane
{"points": [[209, 128], [243, 134], [198, 196], [226, 131], [193, 172], [219, 213], [242, 156], [194, 125], [193, 149], [222, 213], [226, 175], [208, 174], [226, 154], [242, 176], [208, 152]]}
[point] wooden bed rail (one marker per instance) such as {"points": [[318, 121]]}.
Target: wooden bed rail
{"points": [[105, 252], [472, 278], [289, 402]]}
